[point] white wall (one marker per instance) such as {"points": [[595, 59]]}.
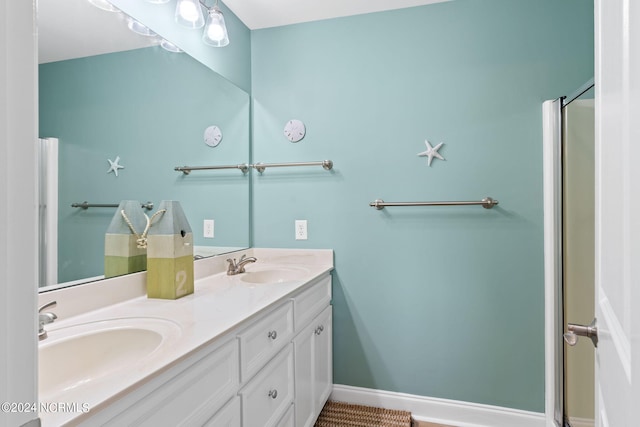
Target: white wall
{"points": [[18, 209]]}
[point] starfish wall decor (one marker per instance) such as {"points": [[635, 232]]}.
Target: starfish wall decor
{"points": [[431, 152]]}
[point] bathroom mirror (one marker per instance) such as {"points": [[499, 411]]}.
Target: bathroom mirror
{"points": [[126, 99]]}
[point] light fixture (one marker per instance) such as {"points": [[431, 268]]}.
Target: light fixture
{"points": [[104, 5], [189, 14], [215, 32]]}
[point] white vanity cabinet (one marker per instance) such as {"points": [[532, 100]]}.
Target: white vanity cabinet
{"points": [[303, 366], [274, 369]]}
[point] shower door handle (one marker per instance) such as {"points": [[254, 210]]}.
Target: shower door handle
{"points": [[575, 331]]}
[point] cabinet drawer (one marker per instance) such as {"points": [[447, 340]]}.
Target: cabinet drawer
{"points": [[267, 396], [263, 339], [311, 302], [287, 420]]}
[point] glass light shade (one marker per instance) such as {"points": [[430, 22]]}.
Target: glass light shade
{"points": [[215, 32], [139, 28], [167, 45], [189, 14], [104, 5]]}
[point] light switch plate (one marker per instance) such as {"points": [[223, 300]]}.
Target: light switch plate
{"points": [[301, 229], [208, 228]]}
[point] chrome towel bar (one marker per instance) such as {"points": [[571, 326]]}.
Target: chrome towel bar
{"points": [[187, 169], [86, 205], [486, 203], [260, 167]]}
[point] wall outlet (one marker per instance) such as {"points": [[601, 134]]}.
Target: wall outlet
{"points": [[208, 228], [301, 229]]}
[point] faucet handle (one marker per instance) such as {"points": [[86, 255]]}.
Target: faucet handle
{"points": [[45, 318], [232, 266], [47, 305]]}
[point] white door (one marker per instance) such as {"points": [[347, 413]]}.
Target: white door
{"points": [[617, 275]]}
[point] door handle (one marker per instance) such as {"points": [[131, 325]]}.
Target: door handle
{"points": [[575, 331]]}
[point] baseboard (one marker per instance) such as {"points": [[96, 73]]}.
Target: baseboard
{"points": [[442, 411], [581, 422]]}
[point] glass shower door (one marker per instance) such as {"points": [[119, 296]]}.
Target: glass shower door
{"points": [[48, 211], [578, 140]]}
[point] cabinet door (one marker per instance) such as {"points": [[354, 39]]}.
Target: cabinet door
{"points": [[304, 370], [313, 368], [323, 360]]}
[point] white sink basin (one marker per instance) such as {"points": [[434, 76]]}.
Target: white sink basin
{"points": [[274, 275], [73, 356]]}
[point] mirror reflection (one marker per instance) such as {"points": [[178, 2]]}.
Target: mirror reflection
{"points": [[122, 120]]}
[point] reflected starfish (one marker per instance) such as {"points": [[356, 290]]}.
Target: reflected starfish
{"points": [[114, 165]]}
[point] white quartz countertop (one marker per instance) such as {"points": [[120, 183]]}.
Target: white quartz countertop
{"points": [[219, 304]]}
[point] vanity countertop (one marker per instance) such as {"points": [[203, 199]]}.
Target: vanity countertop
{"points": [[219, 304]]}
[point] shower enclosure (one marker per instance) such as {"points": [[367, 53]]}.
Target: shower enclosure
{"points": [[569, 139]]}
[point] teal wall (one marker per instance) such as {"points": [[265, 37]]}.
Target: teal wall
{"points": [[150, 107], [448, 301], [232, 62]]}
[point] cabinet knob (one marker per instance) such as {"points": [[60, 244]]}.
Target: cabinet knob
{"points": [[273, 334], [319, 329], [273, 393]]}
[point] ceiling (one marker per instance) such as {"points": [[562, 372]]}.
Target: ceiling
{"points": [[258, 14], [67, 28]]}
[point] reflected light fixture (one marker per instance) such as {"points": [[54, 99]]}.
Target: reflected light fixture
{"points": [[215, 32], [167, 45], [189, 14], [104, 5], [139, 28]]}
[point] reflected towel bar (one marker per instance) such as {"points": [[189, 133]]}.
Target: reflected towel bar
{"points": [[187, 169], [260, 167], [86, 205], [486, 203]]}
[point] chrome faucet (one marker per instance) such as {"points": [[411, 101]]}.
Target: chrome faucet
{"points": [[237, 268], [45, 318]]}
